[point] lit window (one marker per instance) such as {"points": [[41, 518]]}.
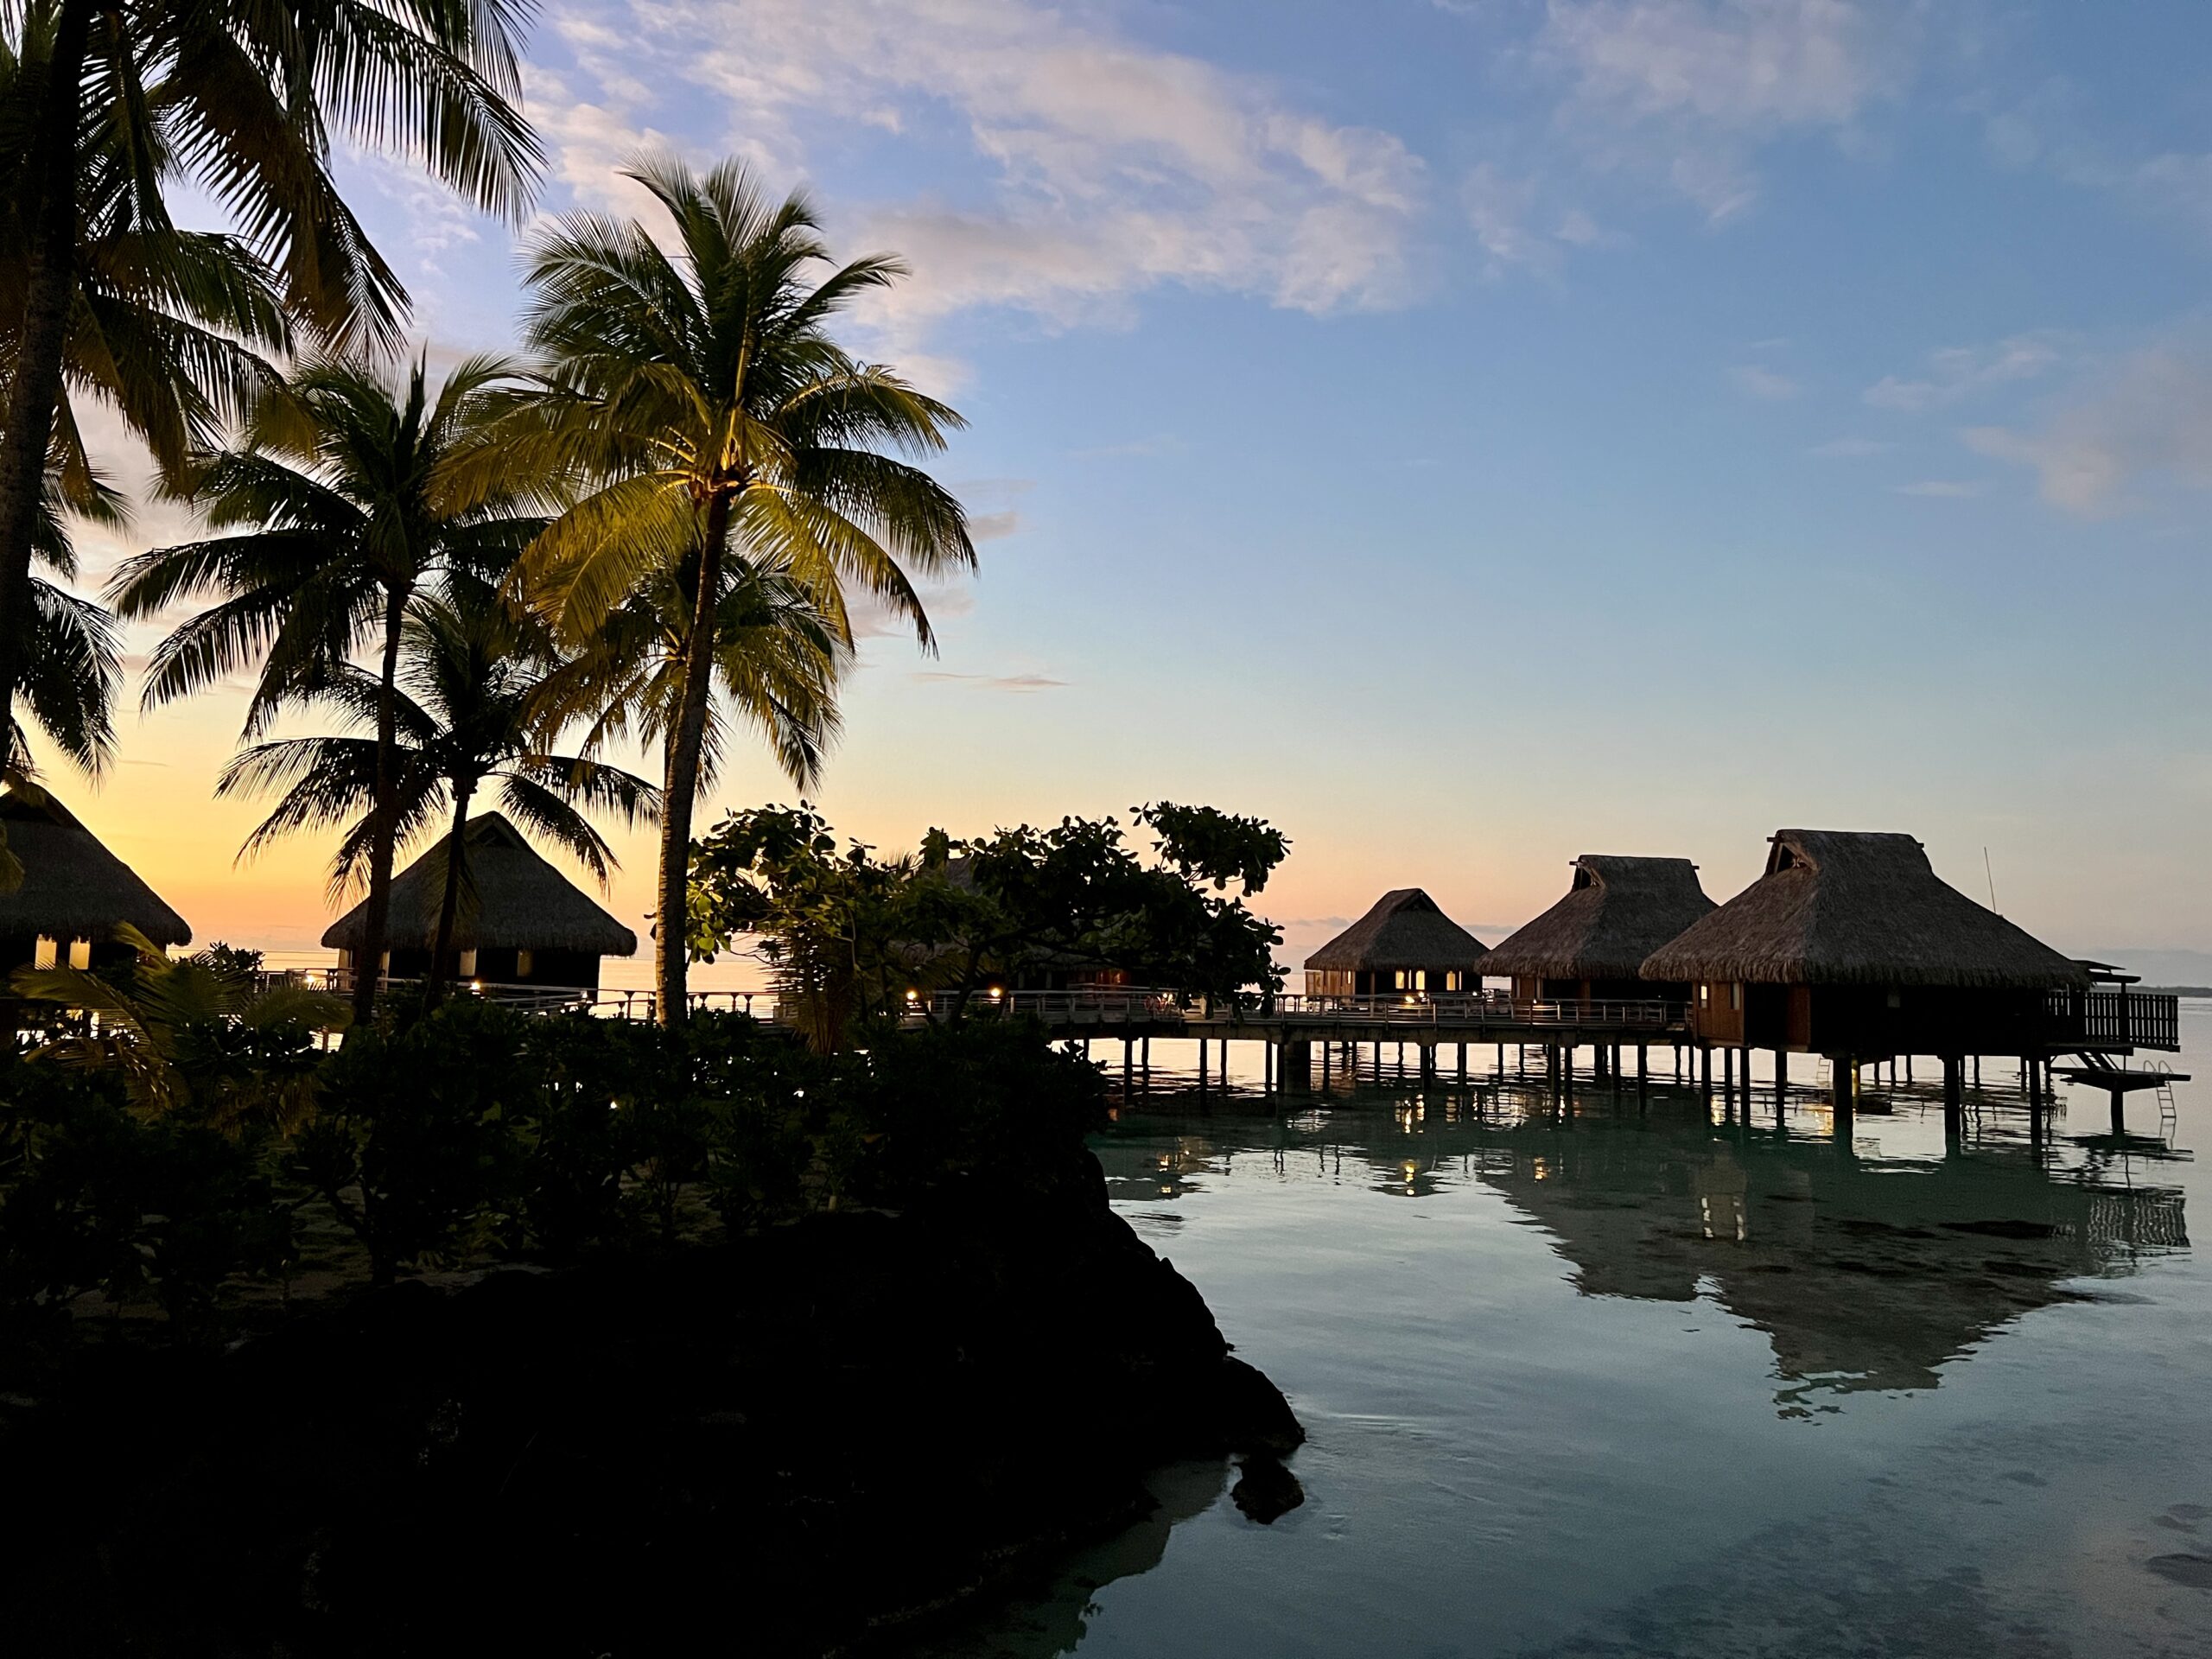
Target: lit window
{"points": [[1736, 996], [1454, 979], [43, 953], [468, 965], [524, 962], [1420, 979], [1705, 996], [81, 953], [1398, 980]]}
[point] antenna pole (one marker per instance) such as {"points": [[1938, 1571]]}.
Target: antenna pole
{"points": [[1990, 876]]}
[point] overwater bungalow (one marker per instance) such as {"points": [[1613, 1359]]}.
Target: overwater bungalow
{"points": [[1590, 947], [1851, 946], [521, 921], [75, 894], [1406, 944]]}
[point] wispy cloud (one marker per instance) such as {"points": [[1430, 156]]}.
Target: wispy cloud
{"points": [[1161, 443], [1849, 448], [1695, 84], [1021, 684], [2147, 415], [1115, 167], [1942, 489], [1763, 384], [1960, 372]]}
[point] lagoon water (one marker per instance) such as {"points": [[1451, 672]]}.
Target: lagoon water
{"points": [[1647, 1382]]}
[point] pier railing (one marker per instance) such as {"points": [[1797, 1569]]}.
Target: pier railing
{"points": [[2118, 1018], [1109, 1006]]}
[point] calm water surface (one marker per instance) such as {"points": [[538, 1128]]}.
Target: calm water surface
{"points": [[1631, 1382]]}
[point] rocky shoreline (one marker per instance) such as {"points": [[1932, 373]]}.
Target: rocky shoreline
{"points": [[797, 1442]]}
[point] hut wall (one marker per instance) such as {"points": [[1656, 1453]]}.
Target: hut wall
{"points": [[1868, 1022], [1716, 1011], [1329, 981]]}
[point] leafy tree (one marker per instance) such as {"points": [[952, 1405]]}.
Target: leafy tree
{"points": [[347, 490], [476, 682], [118, 99], [849, 933], [710, 420], [196, 1038]]}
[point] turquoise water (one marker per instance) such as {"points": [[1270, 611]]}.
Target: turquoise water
{"points": [[1631, 1382]]}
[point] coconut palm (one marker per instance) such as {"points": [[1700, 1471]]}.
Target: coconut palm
{"points": [[707, 417], [476, 689], [778, 660], [243, 98], [199, 1036], [344, 490], [69, 647]]}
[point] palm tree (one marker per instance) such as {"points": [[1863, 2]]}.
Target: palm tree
{"points": [[71, 656], [346, 487], [197, 1036], [478, 689], [778, 659], [707, 418], [244, 98]]}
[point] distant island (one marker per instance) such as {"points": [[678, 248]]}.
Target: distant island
{"points": [[2176, 990]]}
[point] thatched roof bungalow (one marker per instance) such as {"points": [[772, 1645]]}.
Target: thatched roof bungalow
{"points": [[521, 921], [1405, 943], [1850, 945], [1591, 945], [74, 891]]}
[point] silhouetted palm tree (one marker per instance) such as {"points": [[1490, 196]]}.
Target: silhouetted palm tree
{"points": [[478, 690], [349, 484]]}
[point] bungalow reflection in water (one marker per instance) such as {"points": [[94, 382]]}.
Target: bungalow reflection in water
{"points": [[1862, 1273]]}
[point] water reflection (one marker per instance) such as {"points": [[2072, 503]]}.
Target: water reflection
{"points": [[1871, 1265]]}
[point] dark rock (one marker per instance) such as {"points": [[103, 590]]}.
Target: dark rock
{"points": [[811, 1435], [1265, 1490]]}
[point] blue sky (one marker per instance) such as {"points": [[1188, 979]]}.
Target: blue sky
{"points": [[1472, 434]]}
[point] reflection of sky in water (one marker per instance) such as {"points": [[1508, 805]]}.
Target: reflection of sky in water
{"points": [[1653, 1384]]}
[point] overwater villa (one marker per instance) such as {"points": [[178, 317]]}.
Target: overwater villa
{"points": [[1851, 946], [1406, 944], [1591, 945], [521, 922], [75, 894]]}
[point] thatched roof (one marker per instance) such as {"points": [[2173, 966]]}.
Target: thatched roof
{"points": [[1404, 930], [522, 902], [1842, 908], [73, 887], [1617, 912]]}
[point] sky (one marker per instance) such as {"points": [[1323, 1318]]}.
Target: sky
{"points": [[1466, 433]]}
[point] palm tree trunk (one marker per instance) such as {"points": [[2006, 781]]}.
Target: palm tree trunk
{"points": [[449, 901], [671, 956], [376, 918], [37, 384]]}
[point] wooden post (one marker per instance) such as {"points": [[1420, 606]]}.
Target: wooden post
{"points": [[1642, 1075], [1203, 1046], [1843, 1095], [1127, 1049], [1954, 1101]]}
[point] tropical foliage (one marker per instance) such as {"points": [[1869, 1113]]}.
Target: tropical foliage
{"points": [[477, 687], [197, 1040], [850, 935], [344, 493], [718, 437]]}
